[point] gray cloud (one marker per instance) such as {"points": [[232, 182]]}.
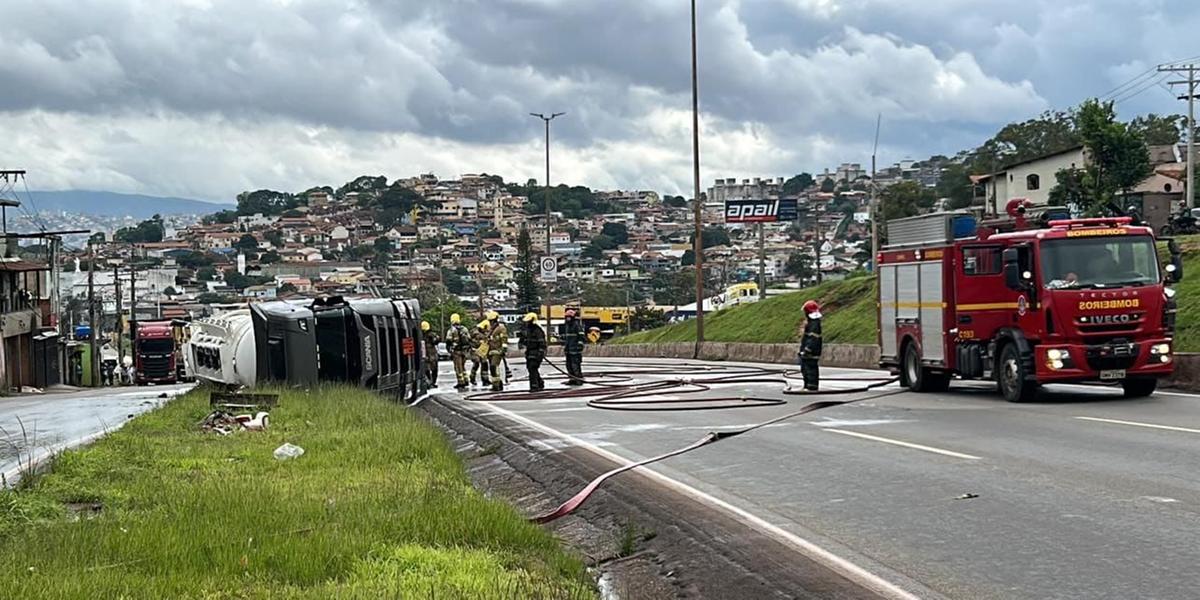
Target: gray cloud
{"points": [[207, 97]]}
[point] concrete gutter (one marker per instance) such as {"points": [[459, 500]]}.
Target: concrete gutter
{"points": [[850, 356]]}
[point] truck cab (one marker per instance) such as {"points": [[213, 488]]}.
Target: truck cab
{"points": [[1071, 300], [154, 353]]}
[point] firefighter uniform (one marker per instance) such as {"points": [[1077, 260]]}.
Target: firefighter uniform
{"points": [[431, 340], [533, 340], [458, 342], [479, 354], [574, 338], [810, 347], [497, 349]]}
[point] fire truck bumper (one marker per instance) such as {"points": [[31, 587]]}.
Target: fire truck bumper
{"points": [[1104, 362]]}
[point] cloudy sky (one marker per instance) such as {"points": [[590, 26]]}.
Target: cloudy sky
{"points": [[205, 98]]}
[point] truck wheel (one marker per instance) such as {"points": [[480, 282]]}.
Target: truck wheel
{"points": [[1139, 388], [1010, 374], [916, 377]]}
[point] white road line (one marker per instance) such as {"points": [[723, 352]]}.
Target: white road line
{"points": [[838, 564], [1137, 424], [884, 440]]}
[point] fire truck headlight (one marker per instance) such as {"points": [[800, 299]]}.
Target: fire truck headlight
{"points": [[1056, 364], [1058, 359], [1162, 351], [1055, 354]]}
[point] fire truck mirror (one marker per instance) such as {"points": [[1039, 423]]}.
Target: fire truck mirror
{"points": [[1012, 270]]}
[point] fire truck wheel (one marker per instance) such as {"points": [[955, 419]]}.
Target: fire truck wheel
{"points": [[1139, 388], [917, 378], [1010, 374]]}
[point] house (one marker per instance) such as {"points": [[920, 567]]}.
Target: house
{"points": [[23, 312], [217, 240], [303, 285], [259, 292], [1031, 179]]}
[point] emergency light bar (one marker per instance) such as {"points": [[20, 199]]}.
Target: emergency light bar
{"points": [[1091, 222]]}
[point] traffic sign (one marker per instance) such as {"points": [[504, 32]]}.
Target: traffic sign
{"points": [[549, 269]]}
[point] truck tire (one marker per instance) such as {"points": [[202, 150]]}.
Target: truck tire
{"points": [[918, 378], [1139, 387], [1010, 375]]}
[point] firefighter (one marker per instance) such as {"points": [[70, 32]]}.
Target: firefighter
{"points": [[458, 342], [810, 346], [533, 340], [431, 353], [497, 349], [574, 339], [479, 351]]}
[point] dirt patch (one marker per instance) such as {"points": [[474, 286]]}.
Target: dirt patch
{"points": [[642, 540]]}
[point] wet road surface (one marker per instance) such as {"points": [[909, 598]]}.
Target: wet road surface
{"points": [[1082, 494], [34, 425]]}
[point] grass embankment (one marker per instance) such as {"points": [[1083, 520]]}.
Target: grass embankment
{"points": [[849, 308], [379, 506]]}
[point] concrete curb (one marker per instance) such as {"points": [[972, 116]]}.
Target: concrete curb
{"points": [[850, 356]]}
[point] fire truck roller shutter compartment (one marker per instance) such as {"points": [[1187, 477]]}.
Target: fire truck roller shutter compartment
{"points": [[887, 308], [933, 345]]}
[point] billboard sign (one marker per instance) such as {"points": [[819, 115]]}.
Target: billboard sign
{"points": [[761, 211]]}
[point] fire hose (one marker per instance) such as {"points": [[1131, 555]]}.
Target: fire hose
{"points": [[647, 397]]}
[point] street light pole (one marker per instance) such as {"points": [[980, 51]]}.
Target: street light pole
{"points": [[547, 119], [698, 245]]}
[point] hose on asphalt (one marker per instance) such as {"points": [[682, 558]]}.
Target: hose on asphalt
{"points": [[684, 379]]}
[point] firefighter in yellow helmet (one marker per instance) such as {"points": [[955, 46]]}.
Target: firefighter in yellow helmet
{"points": [[479, 353], [497, 349], [533, 340], [458, 343], [430, 356]]}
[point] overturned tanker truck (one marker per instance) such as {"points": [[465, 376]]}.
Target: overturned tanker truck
{"points": [[371, 343]]}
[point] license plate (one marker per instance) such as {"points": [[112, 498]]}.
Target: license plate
{"points": [[1111, 375]]}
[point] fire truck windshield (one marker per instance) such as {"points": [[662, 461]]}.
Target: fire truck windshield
{"points": [[1099, 262]]}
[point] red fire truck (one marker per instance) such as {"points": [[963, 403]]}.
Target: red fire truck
{"points": [[154, 353], [1066, 300]]}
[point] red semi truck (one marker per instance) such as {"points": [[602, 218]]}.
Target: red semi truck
{"points": [[154, 353], [1068, 300]]}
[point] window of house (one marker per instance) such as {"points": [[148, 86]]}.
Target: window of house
{"points": [[981, 260], [1033, 182]]}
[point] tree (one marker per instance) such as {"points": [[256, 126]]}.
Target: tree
{"points": [[275, 237], [97, 238], [453, 281], [711, 236], [800, 266], [214, 298], [1070, 189], [528, 291], [905, 199], [206, 274], [675, 201], [644, 318], [383, 245], [617, 231], [224, 217], [270, 258], [363, 184], [238, 281], [170, 291], [286, 288], [266, 202], [246, 243], [604, 294], [1158, 130], [828, 185], [150, 230], [1051, 132], [193, 260], [955, 185], [798, 184], [1118, 159]]}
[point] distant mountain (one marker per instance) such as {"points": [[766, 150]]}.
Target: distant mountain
{"points": [[117, 205]]}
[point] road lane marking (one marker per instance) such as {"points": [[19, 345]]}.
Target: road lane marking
{"points": [[893, 442], [1137, 424], [847, 569]]}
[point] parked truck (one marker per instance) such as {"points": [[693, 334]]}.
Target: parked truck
{"points": [[1025, 303], [155, 353]]}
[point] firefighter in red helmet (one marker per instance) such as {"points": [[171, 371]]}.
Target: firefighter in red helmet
{"points": [[810, 346]]}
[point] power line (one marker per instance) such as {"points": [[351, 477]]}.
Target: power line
{"points": [[1131, 94]]}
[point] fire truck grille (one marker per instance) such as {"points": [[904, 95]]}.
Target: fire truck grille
{"points": [[1112, 356]]}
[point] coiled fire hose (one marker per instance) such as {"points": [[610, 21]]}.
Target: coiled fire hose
{"points": [[625, 397]]}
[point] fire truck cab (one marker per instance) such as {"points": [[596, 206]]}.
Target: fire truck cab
{"points": [[1066, 300]]}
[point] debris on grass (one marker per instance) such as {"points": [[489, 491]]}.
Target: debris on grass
{"points": [[288, 452]]}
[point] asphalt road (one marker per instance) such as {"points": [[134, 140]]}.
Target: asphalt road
{"points": [[36, 425], [1082, 494]]}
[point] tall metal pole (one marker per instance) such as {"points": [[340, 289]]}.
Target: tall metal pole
{"points": [[698, 245], [95, 352], [549, 300], [875, 216], [120, 328], [762, 261], [1191, 124]]}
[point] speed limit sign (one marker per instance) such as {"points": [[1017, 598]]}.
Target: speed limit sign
{"points": [[549, 269]]}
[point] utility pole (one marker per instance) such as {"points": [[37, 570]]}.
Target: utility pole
{"points": [[875, 216], [549, 299], [132, 306], [9, 175], [120, 327], [762, 261], [698, 245], [1190, 96], [95, 352]]}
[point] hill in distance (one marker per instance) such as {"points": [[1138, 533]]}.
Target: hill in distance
{"points": [[118, 205]]}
